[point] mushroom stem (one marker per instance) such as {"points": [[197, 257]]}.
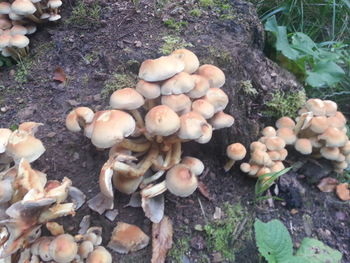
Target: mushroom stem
{"points": [[135, 146], [176, 156], [229, 165], [146, 163], [56, 211], [34, 19], [302, 122], [154, 190], [159, 139], [139, 120], [38, 8]]}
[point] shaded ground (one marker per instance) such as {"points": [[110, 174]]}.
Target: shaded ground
{"points": [[116, 42]]}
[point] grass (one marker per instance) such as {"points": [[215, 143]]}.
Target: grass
{"points": [[118, 81], [172, 43], [23, 70], [84, 14], [178, 26]]}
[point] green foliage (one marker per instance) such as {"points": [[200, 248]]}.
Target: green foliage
{"points": [[195, 12], [172, 43], [5, 62], [275, 245], [116, 82], [221, 7], [206, 3], [248, 88], [285, 104], [84, 14], [180, 247], [221, 233], [176, 25], [23, 70]]}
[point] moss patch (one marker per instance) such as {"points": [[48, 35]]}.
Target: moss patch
{"points": [[118, 81], [84, 14], [23, 70], [179, 249], [248, 88], [172, 43], [172, 23]]}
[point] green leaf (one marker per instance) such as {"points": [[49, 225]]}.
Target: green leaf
{"points": [[273, 241], [317, 251], [304, 44], [325, 73]]}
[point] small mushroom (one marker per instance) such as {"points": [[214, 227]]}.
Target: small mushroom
{"points": [[215, 75], [235, 152], [99, 255], [63, 248], [303, 146], [181, 181], [189, 59]]}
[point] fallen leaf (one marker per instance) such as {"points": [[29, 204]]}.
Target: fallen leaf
{"points": [[343, 192], [218, 214], [153, 208], [327, 184], [203, 189], [59, 75], [162, 239]]}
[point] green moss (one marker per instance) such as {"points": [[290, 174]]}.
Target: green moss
{"points": [[222, 57], [206, 3], [222, 8], [179, 249], [84, 14], [176, 25], [195, 12], [23, 69], [221, 235], [172, 43], [285, 104], [248, 88], [116, 82]]}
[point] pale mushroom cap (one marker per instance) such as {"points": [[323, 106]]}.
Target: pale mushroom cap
{"points": [[303, 146], [287, 135], [260, 158], [334, 137], [85, 248], [275, 143], [99, 255], [278, 166], [269, 131], [263, 170], [44, 248], [4, 138], [283, 154], [274, 155], [5, 24], [318, 124], [180, 181], [207, 133], [196, 166], [4, 40], [126, 99], [63, 248], [341, 165], [253, 169], [331, 107], [189, 59], [31, 29], [316, 106], [54, 3], [160, 69], [18, 30], [258, 146], [191, 125], [79, 117], [221, 120], [177, 103], [285, 122], [236, 151], [346, 148], [22, 145], [23, 7], [337, 121], [54, 17], [180, 83], [217, 98], [245, 167], [201, 87], [203, 108], [148, 90], [330, 153], [15, 17], [162, 120], [19, 41], [215, 75], [5, 8], [111, 127], [45, 16]]}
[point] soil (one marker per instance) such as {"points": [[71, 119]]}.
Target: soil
{"points": [[233, 44]]}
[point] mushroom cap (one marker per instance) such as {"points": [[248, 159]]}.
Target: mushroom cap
{"points": [[19, 41], [236, 151], [4, 138], [63, 248], [278, 166], [337, 121], [45, 16], [275, 143], [178, 84], [283, 154], [334, 137], [162, 120], [189, 59], [217, 98], [23, 145], [99, 255], [287, 135], [260, 158], [5, 24], [215, 75], [207, 133], [5, 8], [303, 146], [343, 191], [274, 155], [85, 248], [201, 87], [30, 126], [126, 185], [160, 69], [330, 153], [54, 17], [318, 124], [177, 103], [191, 124], [331, 107], [269, 131], [126, 99], [110, 127], [253, 170], [23, 7], [180, 181], [221, 120], [262, 171], [6, 190], [258, 146], [245, 167], [346, 148], [79, 117], [5, 40], [148, 90], [196, 166], [285, 122], [316, 106], [31, 29], [18, 30], [203, 108], [54, 3], [44, 248]]}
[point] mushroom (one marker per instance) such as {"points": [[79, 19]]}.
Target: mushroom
{"points": [[217, 98], [215, 75], [221, 120], [203, 108], [269, 131], [178, 103], [303, 146], [78, 118], [201, 87], [178, 84], [189, 59], [235, 152], [63, 248], [99, 255]]}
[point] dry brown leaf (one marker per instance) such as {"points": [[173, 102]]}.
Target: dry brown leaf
{"points": [[162, 239], [59, 75], [327, 184], [203, 189], [343, 192]]}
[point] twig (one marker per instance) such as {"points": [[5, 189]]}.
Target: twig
{"points": [[203, 212], [236, 233]]}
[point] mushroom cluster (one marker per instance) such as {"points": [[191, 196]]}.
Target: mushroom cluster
{"points": [[175, 101], [27, 198], [18, 18]]}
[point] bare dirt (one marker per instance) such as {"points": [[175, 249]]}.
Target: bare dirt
{"points": [[90, 53]]}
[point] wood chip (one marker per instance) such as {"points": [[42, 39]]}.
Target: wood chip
{"points": [[162, 239]]}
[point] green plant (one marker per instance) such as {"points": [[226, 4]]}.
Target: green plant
{"points": [[222, 8], [195, 12], [84, 14], [176, 25], [117, 81], [23, 70], [275, 245], [285, 104], [172, 43], [248, 88], [5, 62], [265, 181], [179, 249]]}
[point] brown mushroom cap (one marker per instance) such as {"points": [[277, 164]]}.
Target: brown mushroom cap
{"points": [[245, 167], [99, 255], [331, 107], [330, 153], [23, 7], [274, 155], [189, 59], [217, 98], [346, 148], [78, 117], [178, 103], [258, 146], [4, 138], [236, 151], [275, 143], [262, 171], [316, 106], [180, 181], [285, 122], [278, 166], [178, 84], [260, 158], [191, 125], [319, 124], [85, 248], [201, 86], [334, 137], [269, 131], [215, 75], [303, 146], [148, 90], [203, 108], [283, 154], [160, 69], [196, 166], [162, 120], [287, 135], [126, 185], [221, 120], [126, 99], [63, 248]]}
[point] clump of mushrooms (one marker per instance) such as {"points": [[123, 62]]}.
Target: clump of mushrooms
{"points": [[27, 198], [175, 101], [18, 19]]}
